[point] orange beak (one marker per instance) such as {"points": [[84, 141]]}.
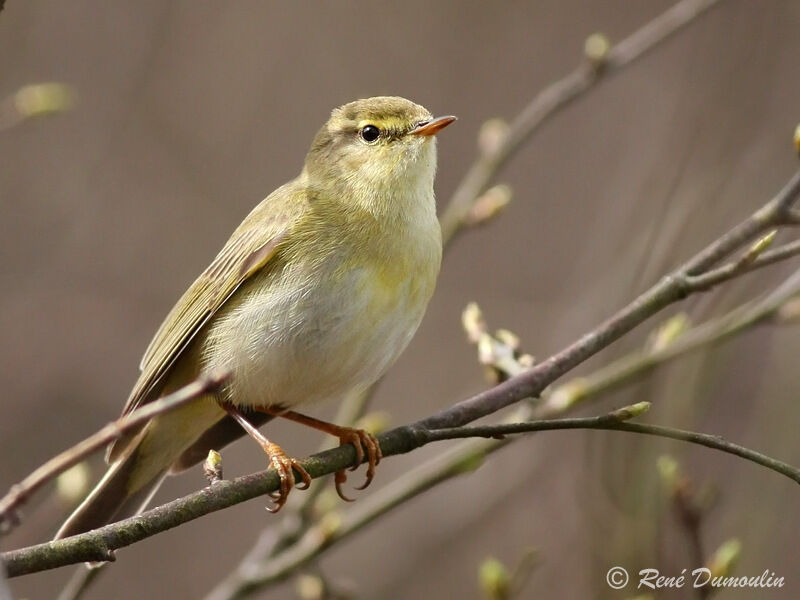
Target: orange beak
{"points": [[433, 126]]}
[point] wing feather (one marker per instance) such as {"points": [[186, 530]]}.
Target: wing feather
{"points": [[251, 247]]}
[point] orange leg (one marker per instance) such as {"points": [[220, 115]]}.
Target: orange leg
{"points": [[282, 463], [363, 441]]}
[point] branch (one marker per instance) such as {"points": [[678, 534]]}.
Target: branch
{"points": [[279, 552], [558, 96], [98, 545], [636, 364], [734, 269], [676, 286], [473, 204], [72, 456], [458, 460], [467, 456], [616, 422], [471, 191]]}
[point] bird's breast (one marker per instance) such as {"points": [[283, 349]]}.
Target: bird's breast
{"points": [[302, 334]]}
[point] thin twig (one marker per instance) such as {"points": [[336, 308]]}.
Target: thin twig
{"points": [[716, 276], [461, 458], [95, 545], [252, 575], [20, 492], [100, 543], [558, 96], [450, 464], [674, 287], [610, 423], [547, 104], [689, 511], [638, 363]]}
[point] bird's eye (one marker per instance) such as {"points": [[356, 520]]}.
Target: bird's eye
{"points": [[370, 133]]}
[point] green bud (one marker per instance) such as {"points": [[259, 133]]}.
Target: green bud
{"points": [[41, 99], [495, 580]]}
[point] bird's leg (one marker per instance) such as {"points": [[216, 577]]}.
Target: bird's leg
{"points": [[279, 460], [364, 442]]}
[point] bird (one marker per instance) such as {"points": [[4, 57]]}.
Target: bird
{"points": [[313, 297]]}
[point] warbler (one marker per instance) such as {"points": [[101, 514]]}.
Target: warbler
{"points": [[313, 297]]}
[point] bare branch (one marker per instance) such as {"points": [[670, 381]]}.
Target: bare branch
{"points": [[612, 422], [98, 544], [72, 456], [672, 288], [458, 460], [636, 364], [256, 572], [729, 271], [559, 95], [474, 203]]}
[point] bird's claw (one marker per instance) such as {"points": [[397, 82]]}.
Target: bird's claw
{"points": [[284, 465], [365, 444]]}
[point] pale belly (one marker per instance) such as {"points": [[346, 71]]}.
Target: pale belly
{"points": [[288, 344]]}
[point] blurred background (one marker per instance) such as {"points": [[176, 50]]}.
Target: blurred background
{"points": [[189, 113]]}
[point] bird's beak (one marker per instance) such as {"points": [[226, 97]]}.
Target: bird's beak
{"points": [[433, 126]]}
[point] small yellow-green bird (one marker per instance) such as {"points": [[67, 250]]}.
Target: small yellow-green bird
{"points": [[313, 297]]}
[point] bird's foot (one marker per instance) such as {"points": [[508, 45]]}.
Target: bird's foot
{"points": [[365, 444], [283, 465]]}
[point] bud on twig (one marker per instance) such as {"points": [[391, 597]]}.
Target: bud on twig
{"points": [[310, 587], [723, 561], [488, 205], [797, 139], [789, 312], [212, 467], [670, 472], [73, 484], [375, 422], [329, 525], [596, 49], [473, 322], [756, 249], [668, 332], [495, 580], [626, 413], [42, 99], [509, 338], [492, 135]]}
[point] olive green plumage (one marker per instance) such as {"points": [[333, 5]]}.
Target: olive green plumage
{"points": [[313, 297]]}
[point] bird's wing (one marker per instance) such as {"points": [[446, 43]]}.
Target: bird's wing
{"points": [[251, 247]]}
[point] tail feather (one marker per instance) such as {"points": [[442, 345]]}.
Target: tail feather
{"points": [[111, 499], [133, 478]]}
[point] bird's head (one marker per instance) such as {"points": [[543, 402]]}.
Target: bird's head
{"points": [[382, 146]]}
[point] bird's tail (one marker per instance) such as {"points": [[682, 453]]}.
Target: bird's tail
{"points": [[133, 478], [113, 497]]}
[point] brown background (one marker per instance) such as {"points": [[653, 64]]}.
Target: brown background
{"points": [[190, 112]]}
